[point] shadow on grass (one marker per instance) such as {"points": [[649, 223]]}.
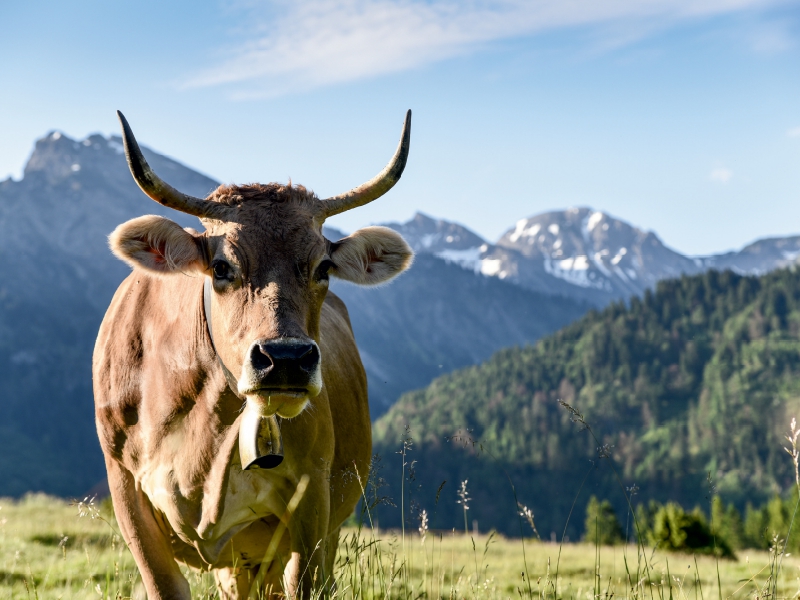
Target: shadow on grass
{"points": [[8, 578], [73, 540]]}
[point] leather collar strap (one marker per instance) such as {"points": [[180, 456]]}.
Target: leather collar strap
{"points": [[232, 382]]}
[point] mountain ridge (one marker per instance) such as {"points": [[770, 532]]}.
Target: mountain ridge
{"points": [[584, 253]]}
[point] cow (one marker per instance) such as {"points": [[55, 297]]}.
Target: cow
{"points": [[230, 399]]}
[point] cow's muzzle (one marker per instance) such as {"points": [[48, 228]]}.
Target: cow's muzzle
{"points": [[281, 375]]}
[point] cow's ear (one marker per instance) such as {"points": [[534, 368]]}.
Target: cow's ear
{"points": [[370, 256], [158, 245]]}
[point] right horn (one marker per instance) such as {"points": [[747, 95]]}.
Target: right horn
{"points": [[378, 185], [155, 187]]}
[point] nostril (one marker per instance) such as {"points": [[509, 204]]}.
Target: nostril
{"points": [[260, 358], [310, 358]]}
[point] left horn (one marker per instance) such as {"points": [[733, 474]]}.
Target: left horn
{"points": [[155, 187], [378, 185]]}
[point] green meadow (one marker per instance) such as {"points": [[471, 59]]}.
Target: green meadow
{"points": [[52, 549]]}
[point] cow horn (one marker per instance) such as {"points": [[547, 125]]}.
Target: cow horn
{"points": [[158, 189], [378, 185]]}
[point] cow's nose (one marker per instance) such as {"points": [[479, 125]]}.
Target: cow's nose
{"points": [[268, 354]]}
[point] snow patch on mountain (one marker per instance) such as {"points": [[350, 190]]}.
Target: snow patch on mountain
{"points": [[469, 258], [116, 145], [492, 267], [522, 230], [576, 271], [790, 255], [593, 221]]}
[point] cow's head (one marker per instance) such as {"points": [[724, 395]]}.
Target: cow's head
{"points": [[269, 264]]}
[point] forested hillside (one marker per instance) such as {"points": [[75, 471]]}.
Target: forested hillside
{"points": [[702, 375]]}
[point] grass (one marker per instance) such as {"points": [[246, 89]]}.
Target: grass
{"points": [[47, 551], [501, 574]]}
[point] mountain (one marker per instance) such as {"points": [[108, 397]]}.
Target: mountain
{"points": [[604, 257], [757, 258], [701, 376], [57, 278], [578, 253], [585, 254], [444, 239]]}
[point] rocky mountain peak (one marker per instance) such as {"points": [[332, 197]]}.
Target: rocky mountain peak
{"points": [[578, 251], [571, 232], [433, 236], [59, 156], [58, 159]]}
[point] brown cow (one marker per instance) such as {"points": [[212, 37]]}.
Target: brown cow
{"points": [[169, 410]]}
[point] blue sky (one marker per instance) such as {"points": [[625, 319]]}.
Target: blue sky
{"points": [[681, 117]]}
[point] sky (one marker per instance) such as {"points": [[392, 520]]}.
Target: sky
{"points": [[681, 117]]}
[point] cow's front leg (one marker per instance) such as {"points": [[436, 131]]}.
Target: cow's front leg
{"points": [[147, 542], [308, 530]]}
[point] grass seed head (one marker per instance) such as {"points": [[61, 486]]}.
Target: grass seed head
{"points": [[423, 525], [463, 495]]}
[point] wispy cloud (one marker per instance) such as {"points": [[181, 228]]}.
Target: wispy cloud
{"points": [[721, 175], [308, 44], [793, 132], [773, 37]]}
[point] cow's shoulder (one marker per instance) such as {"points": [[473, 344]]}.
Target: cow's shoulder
{"points": [[135, 366]]}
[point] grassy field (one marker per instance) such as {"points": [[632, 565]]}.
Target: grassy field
{"points": [[48, 551]]}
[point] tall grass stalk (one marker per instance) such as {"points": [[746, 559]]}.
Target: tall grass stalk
{"points": [[523, 512], [463, 500], [711, 492], [407, 442], [794, 432]]}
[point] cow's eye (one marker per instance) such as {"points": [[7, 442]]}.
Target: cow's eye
{"points": [[222, 270], [323, 268]]}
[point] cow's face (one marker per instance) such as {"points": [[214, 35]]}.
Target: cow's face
{"points": [[269, 266]]}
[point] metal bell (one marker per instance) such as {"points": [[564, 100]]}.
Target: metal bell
{"points": [[260, 443]]}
